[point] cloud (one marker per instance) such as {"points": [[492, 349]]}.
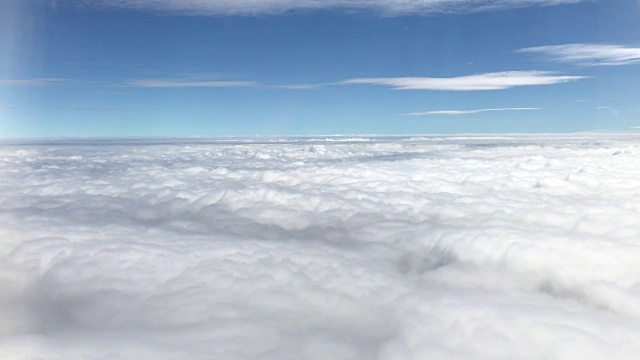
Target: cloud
{"points": [[445, 247], [587, 54], [260, 7], [154, 83], [98, 109], [465, 112], [488, 81], [162, 83], [31, 82]]}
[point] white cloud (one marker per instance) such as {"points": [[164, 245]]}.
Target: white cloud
{"points": [[257, 7], [465, 112], [155, 83], [488, 81], [490, 247], [31, 82], [587, 54]]}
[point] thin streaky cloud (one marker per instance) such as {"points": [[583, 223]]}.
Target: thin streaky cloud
{"points": [[107, 109], [465, 112], [587, 54], [188, 84], [488, 81], [98, 109], [266, 7], [31, 82], [298, 86]]}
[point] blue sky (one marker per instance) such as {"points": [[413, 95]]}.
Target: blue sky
{"points": [[249, 67]]}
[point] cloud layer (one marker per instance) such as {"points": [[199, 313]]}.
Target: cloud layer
{"points": [[465, 112], [489, 81], [260, 7], [587, 54], [492, 247]]}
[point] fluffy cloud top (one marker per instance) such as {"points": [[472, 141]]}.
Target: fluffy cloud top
{"points": [[588, 54], [257, 7], [489, 81], [493, 247]]}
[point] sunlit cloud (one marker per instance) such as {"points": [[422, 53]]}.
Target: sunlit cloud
{"points": [[489, 81], [587, 54], [261, 7], [465, 112], [31, 82], [188, 84]]}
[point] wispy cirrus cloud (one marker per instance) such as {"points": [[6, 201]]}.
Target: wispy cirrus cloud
{"points": [[587, 54], [489, 81], [155, 83], [467, 112], [31, 82], [65, 108], [262, 7]]}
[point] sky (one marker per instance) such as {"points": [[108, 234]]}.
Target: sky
{"points": [[282, 67]]}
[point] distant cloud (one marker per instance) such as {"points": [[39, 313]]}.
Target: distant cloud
{"points": [[30, 82], [188, 84], [488, 81], [99, 109], [261, 7], [465, 112], [587, 54], [298, 86]]}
